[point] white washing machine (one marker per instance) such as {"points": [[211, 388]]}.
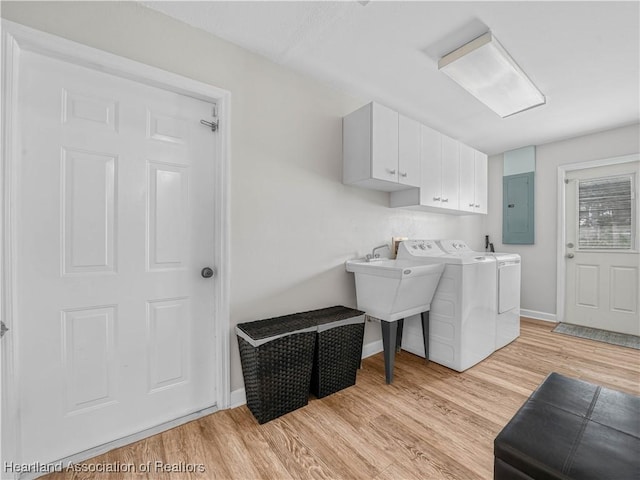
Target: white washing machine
{"points": [[463, 310], [507, 290]]}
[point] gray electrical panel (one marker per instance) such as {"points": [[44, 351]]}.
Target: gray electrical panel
{"points": [[518, 209]]}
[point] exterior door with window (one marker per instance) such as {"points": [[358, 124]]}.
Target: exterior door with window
{"points": [[602, 259]]}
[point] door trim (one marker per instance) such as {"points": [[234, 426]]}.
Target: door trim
{"points": [[561, 262], [17, 38]]}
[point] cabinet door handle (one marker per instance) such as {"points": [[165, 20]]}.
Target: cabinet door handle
{"points": [[477, 205], [436, 199], [403, 174], [445, 199], [471, 205], [391, 172]]}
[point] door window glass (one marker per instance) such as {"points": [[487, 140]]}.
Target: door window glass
{"points": [[605, 213]]}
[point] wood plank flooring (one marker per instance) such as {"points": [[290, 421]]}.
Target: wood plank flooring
{"points": [[431, 423]]}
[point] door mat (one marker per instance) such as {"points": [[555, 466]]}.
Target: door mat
{"points": [[613, 338]]}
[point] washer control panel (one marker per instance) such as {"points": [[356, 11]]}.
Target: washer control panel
{"points": [[454, 246], [419, 248]]}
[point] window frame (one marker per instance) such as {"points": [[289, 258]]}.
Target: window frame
{"points": [[633, 201]]}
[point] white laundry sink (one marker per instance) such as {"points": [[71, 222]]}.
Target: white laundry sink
{"points": [[393, 289]]}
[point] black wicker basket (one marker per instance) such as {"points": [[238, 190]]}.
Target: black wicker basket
{"points": [[338, 349], [277, 359]]}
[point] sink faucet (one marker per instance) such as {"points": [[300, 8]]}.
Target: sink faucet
{"points": [[374, 253]]}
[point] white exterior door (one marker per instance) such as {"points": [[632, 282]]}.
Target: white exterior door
{"points": [[114, 324], [602, 259]]}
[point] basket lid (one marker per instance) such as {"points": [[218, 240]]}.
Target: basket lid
{"points": [[260, 332], [271, 328], [334, 314]]}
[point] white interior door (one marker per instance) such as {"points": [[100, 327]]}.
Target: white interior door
{"points": [[114, 324], [602, 258]]}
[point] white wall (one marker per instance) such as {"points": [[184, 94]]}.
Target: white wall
{"points": [[293, 223], [538, 292]]}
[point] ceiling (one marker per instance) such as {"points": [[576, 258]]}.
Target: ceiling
{"points": [[583, 55]]}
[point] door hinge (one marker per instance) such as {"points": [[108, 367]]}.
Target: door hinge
{"points": [[3, 329], [215, 123]]}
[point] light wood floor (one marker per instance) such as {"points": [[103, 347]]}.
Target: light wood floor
{"points": [[431, 423]]}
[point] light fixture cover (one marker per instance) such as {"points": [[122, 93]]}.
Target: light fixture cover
{"points": [[485, 69]]}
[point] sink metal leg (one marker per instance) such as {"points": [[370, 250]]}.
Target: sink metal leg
{"points": [[399, 335], [389, 331], [425, 333]]}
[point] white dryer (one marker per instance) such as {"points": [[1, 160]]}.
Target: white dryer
{"points": [[507, 290], [463, 310], [508, 321]]}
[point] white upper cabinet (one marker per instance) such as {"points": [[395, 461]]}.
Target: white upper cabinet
{"points": [[409, 146], [440, 170], [473, 180], [481, 182], [450, 173], [370, 148], [383, 125], [439, 187], [467, 178], [431, 157], [422, 168]]}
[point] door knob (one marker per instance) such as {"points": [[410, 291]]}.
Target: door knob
{"points": [[207, 272], [3, 329], [570, 255]]}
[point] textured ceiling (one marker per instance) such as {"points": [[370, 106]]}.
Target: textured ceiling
{"points": [[584, 56]]}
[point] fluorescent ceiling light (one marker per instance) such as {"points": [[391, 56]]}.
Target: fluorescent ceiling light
{"points": [[485, 69]]}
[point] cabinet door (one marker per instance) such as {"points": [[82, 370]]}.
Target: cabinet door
{"points": [[384, 143], [356, 146], [408, 151], [450, 172], [431, 159], [481, 182], [467, 178]]}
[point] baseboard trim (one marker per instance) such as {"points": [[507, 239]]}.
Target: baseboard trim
{"points": [[237, 398], [547, 317], [372, 348]]}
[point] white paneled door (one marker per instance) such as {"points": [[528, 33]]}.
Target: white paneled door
{"points": [[115, 323], [602, 259]]}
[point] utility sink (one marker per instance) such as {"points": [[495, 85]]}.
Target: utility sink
{"points": [[391, 290]]}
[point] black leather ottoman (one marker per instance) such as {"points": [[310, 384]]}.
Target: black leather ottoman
{"points": [[570, 429]]}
